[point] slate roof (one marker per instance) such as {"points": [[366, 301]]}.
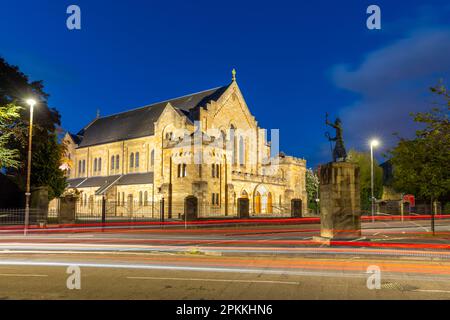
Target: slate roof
{"points": [[97, 181], [104, 183], [73, 183], [136, 178], [140, 122]]}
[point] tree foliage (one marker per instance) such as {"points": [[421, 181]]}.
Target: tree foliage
{"points": [[44, 162], [15, 88], [422, 165], [8, 157], [312, 188], [362, 159]]}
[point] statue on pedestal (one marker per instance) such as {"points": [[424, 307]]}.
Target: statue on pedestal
{"points": [[339, 153], [340, 212]]}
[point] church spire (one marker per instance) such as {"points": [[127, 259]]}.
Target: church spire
{"points": [[233, 75]]}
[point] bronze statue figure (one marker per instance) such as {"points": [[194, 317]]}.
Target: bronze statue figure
{"points": [[339, 153]]}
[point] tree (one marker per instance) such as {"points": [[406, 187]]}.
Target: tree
{"points": [[312, 188], [362, 159], [8, 157], [15, 87], [44, 162], [422, 165]]}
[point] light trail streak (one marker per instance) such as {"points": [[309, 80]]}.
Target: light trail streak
{"points": [[316, 273], [217, 222], [38, 249], [18, 275], [277, 242]]}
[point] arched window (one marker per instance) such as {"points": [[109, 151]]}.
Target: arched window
{"points": [[123, 198], [117, 162], [223, 136], [112, 162], [215, 199], [118, 198], [269, 208], [179, 171], [140, 198], [136, 162], [99, 165], [145, 198], [84, 166], [95, 165], [217, 171], [241, 151], [184, 170], [152, 158], [257, 202], [233, 140], [213, 170], [132, 160], [80, 168]]}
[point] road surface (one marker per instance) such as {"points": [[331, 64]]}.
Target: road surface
{"points": [[270, 262]]}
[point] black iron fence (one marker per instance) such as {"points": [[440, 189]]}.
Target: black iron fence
{"points": [[110, 211], [102, 210], [17, 216]]}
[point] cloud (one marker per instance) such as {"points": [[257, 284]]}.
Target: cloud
{"points": [[391, 82]]}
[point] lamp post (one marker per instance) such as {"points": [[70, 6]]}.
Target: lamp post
{"points": [[373, 143], [31, 103]]}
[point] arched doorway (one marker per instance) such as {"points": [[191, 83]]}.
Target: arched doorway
{"points": [[191, 208], [243, 205], [262, 200]]}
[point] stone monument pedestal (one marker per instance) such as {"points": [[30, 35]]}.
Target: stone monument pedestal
{"points": [[39, 206], [67, 206], [340, 214]]}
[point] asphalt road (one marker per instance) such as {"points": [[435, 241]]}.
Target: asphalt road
{"points": [[169, 235], [269, 262], [149, 276]]}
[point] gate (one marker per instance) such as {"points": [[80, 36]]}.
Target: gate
{"points": [[296, 208], [191, 208], [243, 208]]}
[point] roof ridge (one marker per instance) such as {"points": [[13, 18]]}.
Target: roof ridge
{"points": [[155, 103]]}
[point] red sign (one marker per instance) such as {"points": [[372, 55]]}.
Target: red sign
{"points": [[411, 199]]}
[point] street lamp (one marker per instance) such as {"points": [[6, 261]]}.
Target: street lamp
{"points": [[31, 103], [373, 143]]}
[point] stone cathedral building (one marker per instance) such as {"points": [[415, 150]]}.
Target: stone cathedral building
{"points": [[202, 154]]}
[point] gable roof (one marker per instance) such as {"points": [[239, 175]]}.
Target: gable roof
{"points": [[139, 122], [75, 138]]}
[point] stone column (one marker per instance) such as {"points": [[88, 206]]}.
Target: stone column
{"points": [[67, 207], [39, 205], [340, 213]]}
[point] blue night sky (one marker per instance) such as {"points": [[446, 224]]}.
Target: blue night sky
{"points": [[295, 60]]}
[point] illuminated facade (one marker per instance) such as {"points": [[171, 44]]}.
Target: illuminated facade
{"points": [[205, 145]]}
